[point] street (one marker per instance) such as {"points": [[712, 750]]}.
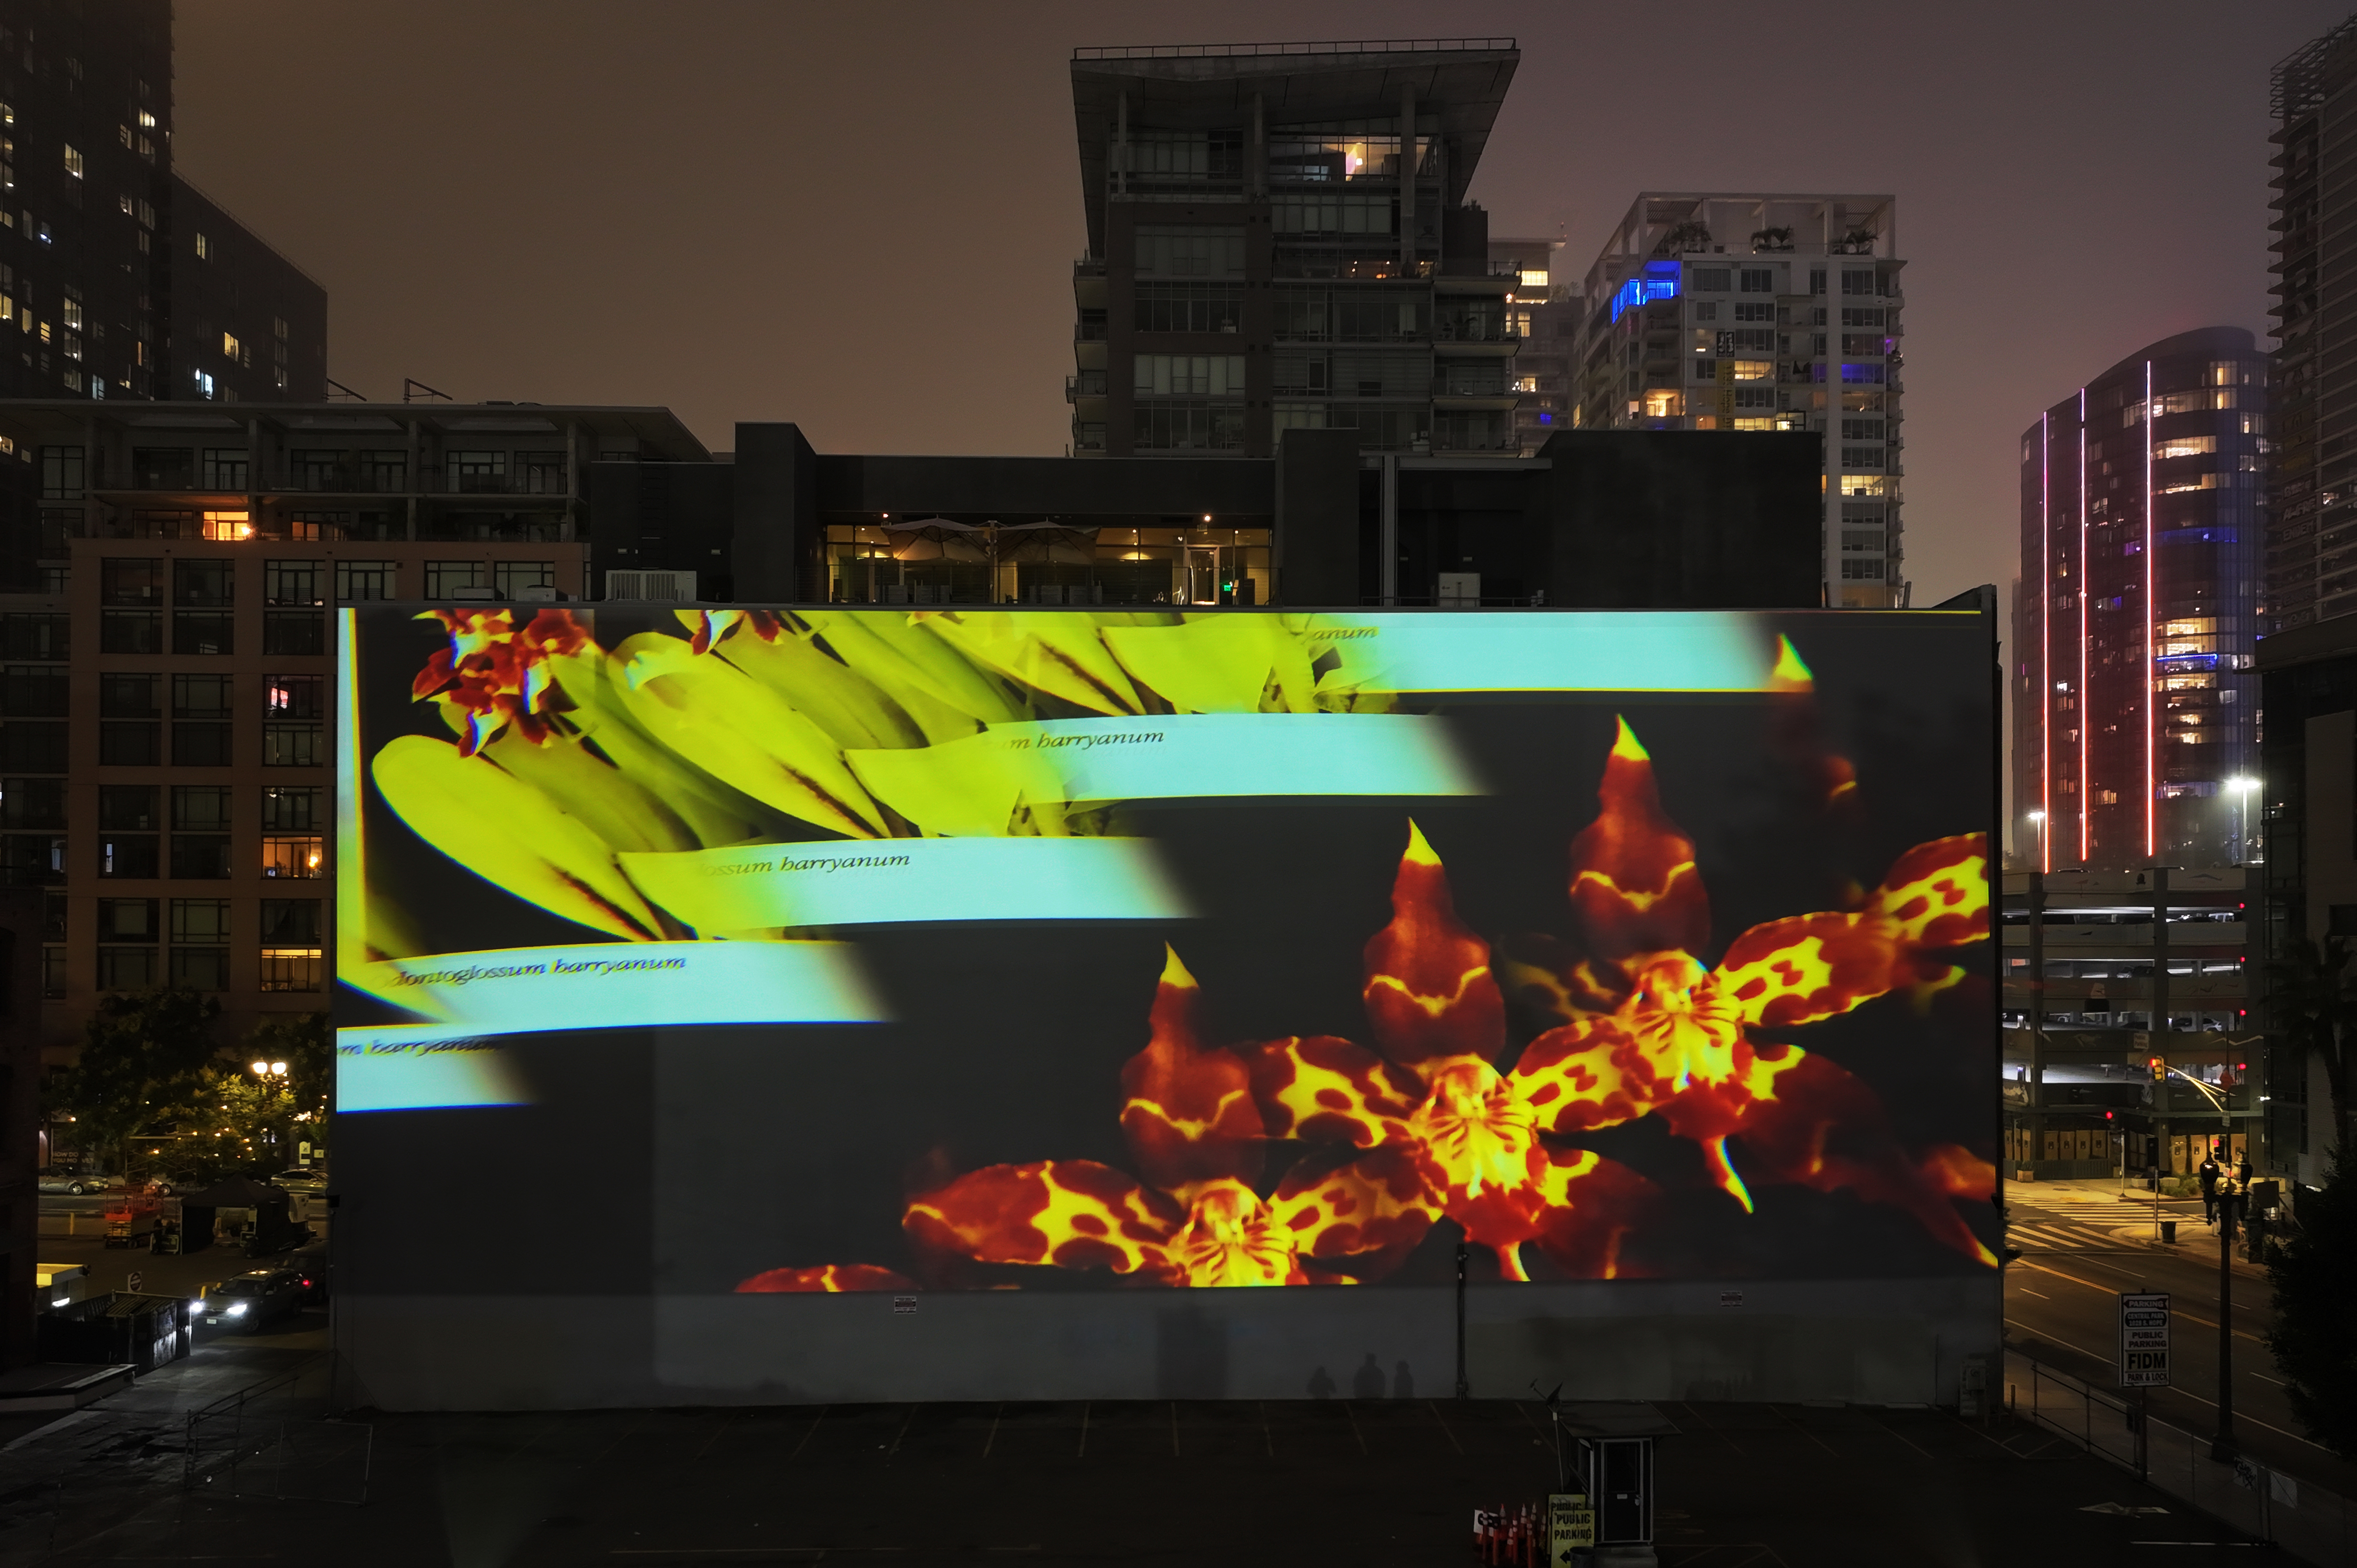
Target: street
{"points": [[2082, 1246]]}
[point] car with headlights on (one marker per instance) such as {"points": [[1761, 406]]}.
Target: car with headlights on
{"points": [[251, 1300]]}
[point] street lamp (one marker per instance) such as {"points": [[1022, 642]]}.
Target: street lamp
{"points": [[2039, 818], [2242, 788], [273, 1075]]}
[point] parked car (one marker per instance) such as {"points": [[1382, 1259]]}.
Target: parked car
{"points": [[312, 1181], [73, 1181], [253, 1299]]}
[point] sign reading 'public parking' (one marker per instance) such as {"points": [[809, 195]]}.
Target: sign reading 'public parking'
{"points": [[2144, 1340]]}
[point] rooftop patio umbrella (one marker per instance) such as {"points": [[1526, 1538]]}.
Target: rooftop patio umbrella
{"points": [[936, 539], [1050, 542]]}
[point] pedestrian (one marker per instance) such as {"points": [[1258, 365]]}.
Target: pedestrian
{"points": [[2242, 1170], [2210, 1171]]}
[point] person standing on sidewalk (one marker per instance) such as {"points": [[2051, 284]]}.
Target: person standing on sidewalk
{"points": [[2210, 1172]]}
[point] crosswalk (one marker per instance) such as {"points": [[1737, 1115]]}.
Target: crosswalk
{"points": [[2056, 1235]]}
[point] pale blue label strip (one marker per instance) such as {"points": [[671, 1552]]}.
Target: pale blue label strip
{"points": [[842, 882], [620, 986], [1473, 650], [410, 1067]]}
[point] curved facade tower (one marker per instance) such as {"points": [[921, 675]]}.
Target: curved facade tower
{"points": [[2135, 719]]}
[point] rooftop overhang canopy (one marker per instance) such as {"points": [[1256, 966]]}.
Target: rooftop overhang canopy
{"points": [[1460, 84]]}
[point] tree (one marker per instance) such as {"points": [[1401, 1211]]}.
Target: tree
{"points": [[142, 1063], [2315, 1278], [303, 1097], [2310, 994]]}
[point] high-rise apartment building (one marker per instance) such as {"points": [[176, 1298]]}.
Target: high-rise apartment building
{"points": [[2311, 545], [1279, 238], [167, 707], [1751, 312], [1544, 313], [2135, 709], [117, 278]]}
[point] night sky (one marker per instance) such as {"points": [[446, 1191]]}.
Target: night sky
{"points": [[862, 218]]}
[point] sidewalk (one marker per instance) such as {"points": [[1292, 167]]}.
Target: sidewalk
{"points": [[2128, 1214]]}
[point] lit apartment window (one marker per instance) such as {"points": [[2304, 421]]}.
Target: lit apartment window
{"points": [[204, 248], [290, 969], [289, 856], [229, 346], [73, 162], [228, 525]]}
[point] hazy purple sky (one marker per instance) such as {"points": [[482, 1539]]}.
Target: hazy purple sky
{"points": [[862, 218]]}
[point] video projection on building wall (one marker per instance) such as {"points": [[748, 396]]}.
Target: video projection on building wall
{"points": [[893, 950]]}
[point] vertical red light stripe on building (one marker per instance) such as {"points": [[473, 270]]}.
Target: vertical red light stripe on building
{"points": [[2151, 634], [2085, 837], [2046, 645]]}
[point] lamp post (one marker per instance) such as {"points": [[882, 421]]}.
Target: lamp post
{"points": [[2039, 818], [2242, 788], [273, 1078]]}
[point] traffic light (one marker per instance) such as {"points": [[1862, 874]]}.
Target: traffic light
{"points": [[2159, 1065]]}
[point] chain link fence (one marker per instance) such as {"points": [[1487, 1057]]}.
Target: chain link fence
{"points": [[2303, 1520]]}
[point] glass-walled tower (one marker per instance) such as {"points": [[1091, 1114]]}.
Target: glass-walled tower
{"points": [[2135, 716], [1279, 238]]}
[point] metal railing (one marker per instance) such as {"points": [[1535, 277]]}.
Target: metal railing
{"points": [[272, 1439], [1320, 47], [2295, 1516]]}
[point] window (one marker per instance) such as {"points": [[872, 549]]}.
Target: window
{"points": [[25, 635], [1758, 280], [201, 968], [1755, 369], [290, 922], [1193, 251], [73, 161], [229, 346], [318, 471], [201, 807], [1861, 539], [290, 969], [1861, 429], [1862, 570], [543, 473], [444, 578], [294, 582], [203, 632], [1172, 424], [362, 580], [122, 744], [478, 472], [129, 855], [1712, 280], [1862, 375], [127, 920], [204, 247], [2186, 446], [32, 746], [130, 580], [32, 859], [1861, 456], [289, 856], [206, 581], [293, 631], [200, 919], [1188, 375], [201, 707], [293, 808], [293, 697], [1755, 312], [225, 468], [34, 691], [387, 473], [33, 802], [201, 857], [1189, 307], [1860, 316], [126, 807], [1856, 280], [511, 578], [293, 745], [126, 969], [1862, 345]]}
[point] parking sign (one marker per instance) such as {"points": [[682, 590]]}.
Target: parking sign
{"points": [[2144, 1340]]}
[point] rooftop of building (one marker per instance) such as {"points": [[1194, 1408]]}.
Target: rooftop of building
{"points": [[1661, 223], [45, 421], [1460, 84]]}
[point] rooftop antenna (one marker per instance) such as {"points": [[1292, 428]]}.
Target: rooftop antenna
{"points": [[418, 391], [338, 392]]}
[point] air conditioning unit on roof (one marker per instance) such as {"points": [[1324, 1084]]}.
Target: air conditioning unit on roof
{"points": [[670, 585]]}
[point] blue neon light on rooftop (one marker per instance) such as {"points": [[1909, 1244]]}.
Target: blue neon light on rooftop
{"points": [[1658, 281]]}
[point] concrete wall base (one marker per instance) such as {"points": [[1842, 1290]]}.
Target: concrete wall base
{"points": [[1865, 1341]]}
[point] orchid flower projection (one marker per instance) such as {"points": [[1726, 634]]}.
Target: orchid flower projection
{"points": [[1436, 1116]]}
